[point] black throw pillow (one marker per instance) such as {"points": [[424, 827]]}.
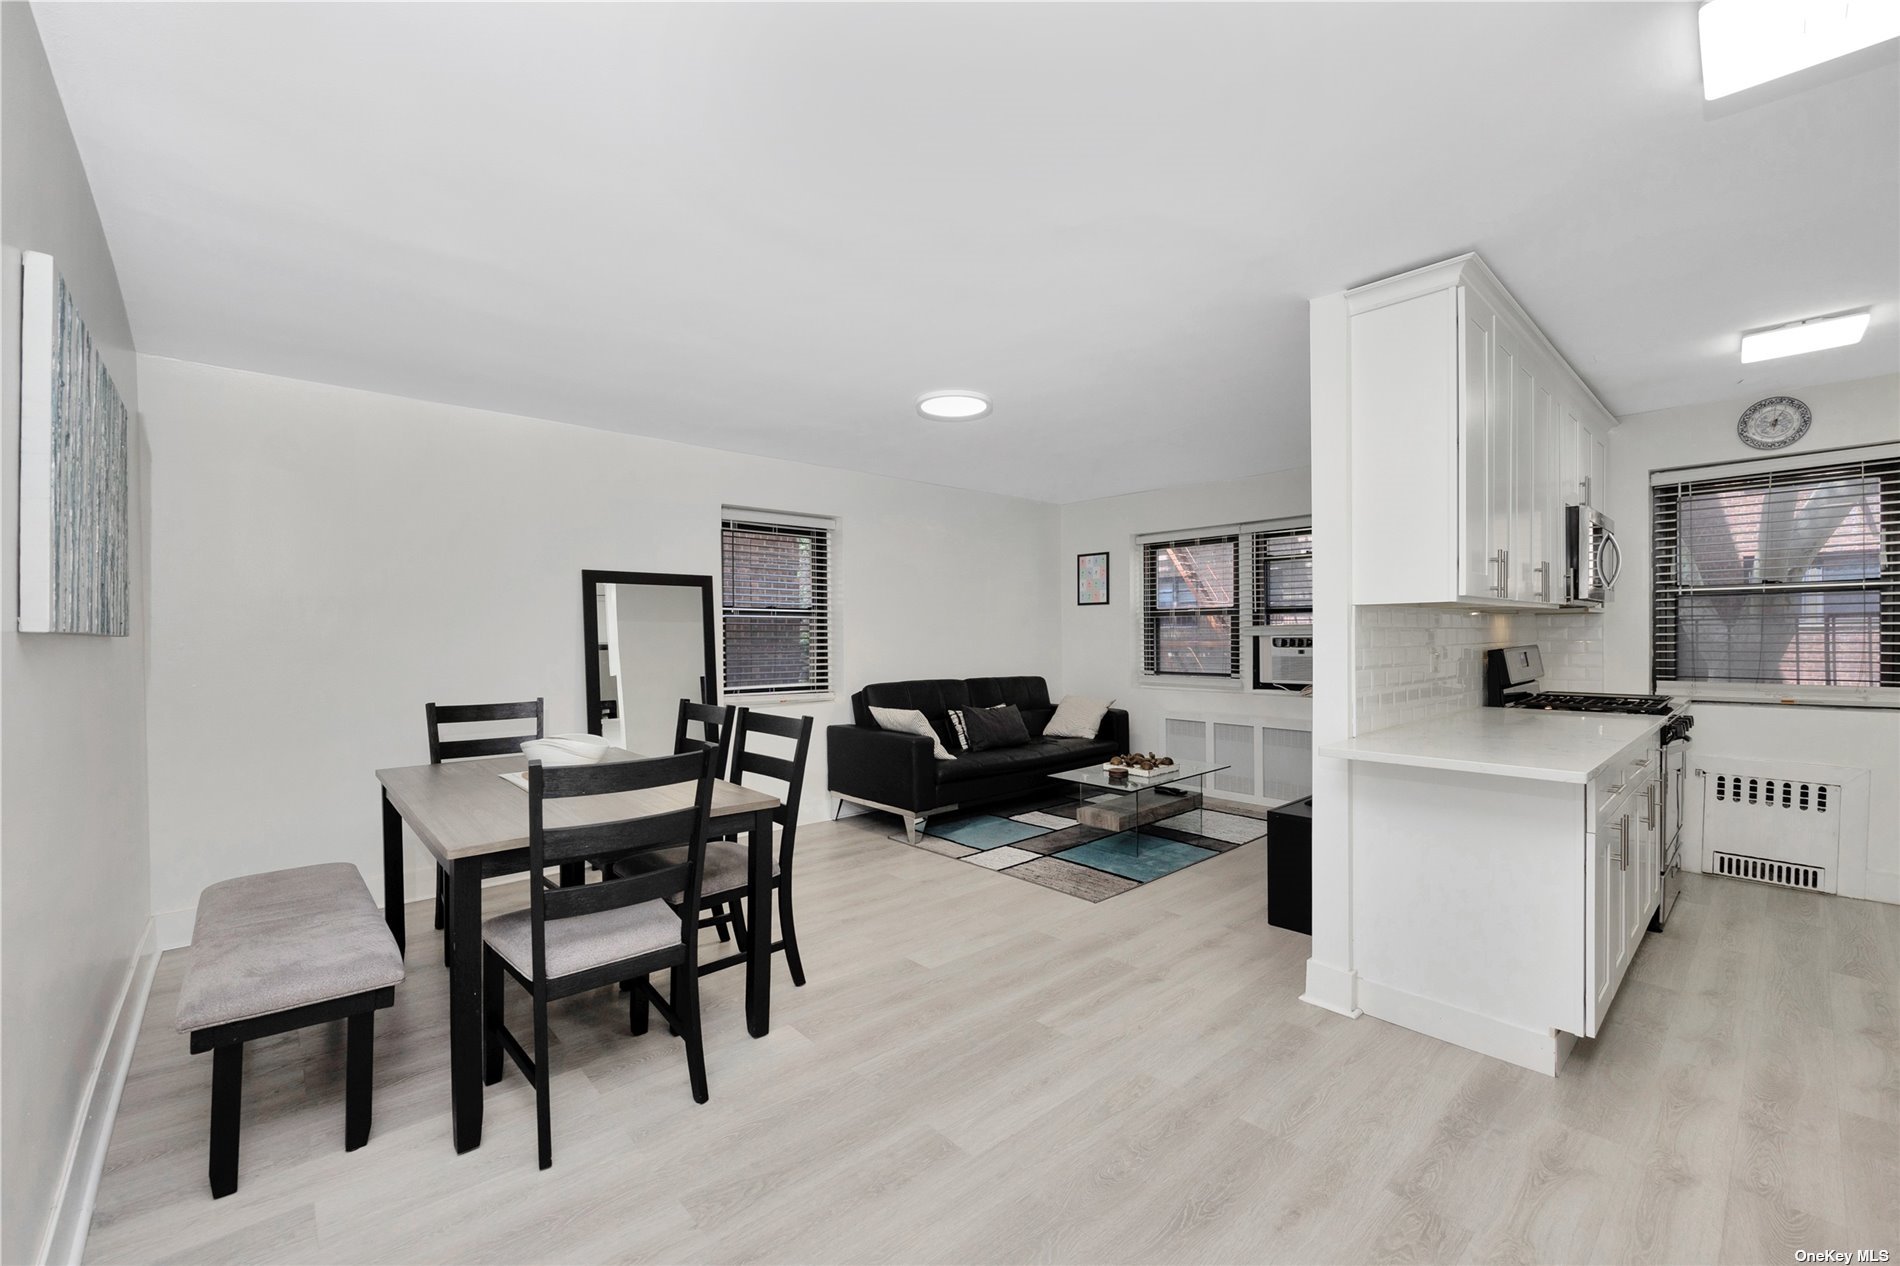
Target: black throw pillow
{"points": [[991, 728]]}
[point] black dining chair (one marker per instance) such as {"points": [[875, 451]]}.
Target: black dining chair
{"points": [[716, 726], [575, 938], [722, 896], [441, 749]]}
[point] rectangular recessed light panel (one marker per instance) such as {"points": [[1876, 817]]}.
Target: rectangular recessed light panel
{"points": [[1804, 336], [1749, 42]]}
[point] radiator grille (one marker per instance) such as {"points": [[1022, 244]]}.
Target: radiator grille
{"points": [[1185, 739], [1760, 824], [1765, 870], [1233, 747], [1772, 793], [1286, 764], [1264, 761]]}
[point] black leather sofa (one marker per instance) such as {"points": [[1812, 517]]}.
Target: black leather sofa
{"points": [[899, 773]]}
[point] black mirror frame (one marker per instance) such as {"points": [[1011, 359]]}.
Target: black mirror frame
{"points": [[590, 627]]}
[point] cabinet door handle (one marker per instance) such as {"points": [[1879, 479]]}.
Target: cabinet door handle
{"points": [[1497, 561], [1622, 855], [1543, 582], [1649, 815]]}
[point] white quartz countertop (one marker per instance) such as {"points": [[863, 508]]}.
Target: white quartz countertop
{"points": [[1509, 742]]}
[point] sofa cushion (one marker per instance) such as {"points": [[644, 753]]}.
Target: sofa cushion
{"points": [[911, 721], [933, 697], [1037, 719], [1024, 692], [1039, 756], [1078, 717], [962, 731], [992, 728]]}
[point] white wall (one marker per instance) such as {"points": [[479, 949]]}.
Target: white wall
{"points": [[1330, 980], [1864, 411], [1101, 645], [74, 867], [397, 552], [1416, 663]]}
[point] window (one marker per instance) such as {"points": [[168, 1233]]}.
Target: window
{"points": [[1199, 589], [775, 604], [1191, 606], [1789, 577], [1283, 576]]}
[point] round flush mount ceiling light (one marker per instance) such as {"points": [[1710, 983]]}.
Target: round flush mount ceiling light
{"points": [[953, 406]]}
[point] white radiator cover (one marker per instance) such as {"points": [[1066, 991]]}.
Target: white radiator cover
{"points": [[1778, 823], [1268, 763]]}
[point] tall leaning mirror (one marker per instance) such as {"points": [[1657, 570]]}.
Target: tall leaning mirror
{"points": [[649, 644]]}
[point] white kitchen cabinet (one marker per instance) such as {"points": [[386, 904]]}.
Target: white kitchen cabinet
{"points": [[1547, 507], [1505, 865], [1470, 436], [1586, 458], [1624, 864], [1607, 888], [1598, 489]]}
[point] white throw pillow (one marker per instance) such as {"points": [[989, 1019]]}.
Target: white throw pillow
{"points": [[911, 721], [1077, 717]]}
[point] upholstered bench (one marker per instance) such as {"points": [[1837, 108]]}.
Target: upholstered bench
{"points": [[276, 952]]}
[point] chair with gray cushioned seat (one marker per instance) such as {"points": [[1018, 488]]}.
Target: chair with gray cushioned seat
{"points": [[441, 749], [727, 861], [280, 951], [577, 937], [716, 726]]}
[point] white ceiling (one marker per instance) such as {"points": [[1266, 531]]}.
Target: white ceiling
{"points": [[769, 228]]}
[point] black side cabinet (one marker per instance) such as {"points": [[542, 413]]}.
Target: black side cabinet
{"points": [[1290, 866]]}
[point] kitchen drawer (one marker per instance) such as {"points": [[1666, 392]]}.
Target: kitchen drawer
{"points": [[1626, 775]]}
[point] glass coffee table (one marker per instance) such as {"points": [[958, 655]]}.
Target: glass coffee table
{"points": [[1134, 802]]}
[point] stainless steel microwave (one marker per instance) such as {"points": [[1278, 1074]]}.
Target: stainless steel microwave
{"points": [[1592, 558]]}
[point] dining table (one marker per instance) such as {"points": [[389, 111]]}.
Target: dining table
{"points": [[474, 822]]}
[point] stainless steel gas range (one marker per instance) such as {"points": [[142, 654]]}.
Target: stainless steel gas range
{"points": [[1510, 681]]}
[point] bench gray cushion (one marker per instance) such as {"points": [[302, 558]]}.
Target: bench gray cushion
{"points": [[584, 940], [287, 938]]}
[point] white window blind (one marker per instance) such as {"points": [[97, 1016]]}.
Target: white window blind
{"points": [[1786, 577], [1282, 575], [775, 605], [1190, 602]]}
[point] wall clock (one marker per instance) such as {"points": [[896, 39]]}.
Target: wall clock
{"points": [[1775, 422]]}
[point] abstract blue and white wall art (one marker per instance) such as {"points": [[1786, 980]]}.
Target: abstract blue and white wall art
{"points": [[73, 476]]}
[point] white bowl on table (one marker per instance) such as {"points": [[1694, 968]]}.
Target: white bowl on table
{"points": [[567, 749]]}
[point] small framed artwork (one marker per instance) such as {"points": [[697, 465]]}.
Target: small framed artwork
{"points": [[1091, 579]]}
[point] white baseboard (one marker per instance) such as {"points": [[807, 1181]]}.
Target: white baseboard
{"points": [[78, 1189], [1330, 987], [1878, 885], [1540, 1050], [173, 927]]}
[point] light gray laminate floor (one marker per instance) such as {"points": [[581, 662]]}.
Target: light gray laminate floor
{"points": [[982, 1070]]}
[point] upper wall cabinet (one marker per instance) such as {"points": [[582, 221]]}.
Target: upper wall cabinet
{"points": [[1470, 436]]}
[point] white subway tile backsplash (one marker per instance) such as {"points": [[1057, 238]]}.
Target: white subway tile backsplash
{"points": [[1415, 663]]}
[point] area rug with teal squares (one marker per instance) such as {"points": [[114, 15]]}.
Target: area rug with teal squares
{"points": [[1038, 840]]}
